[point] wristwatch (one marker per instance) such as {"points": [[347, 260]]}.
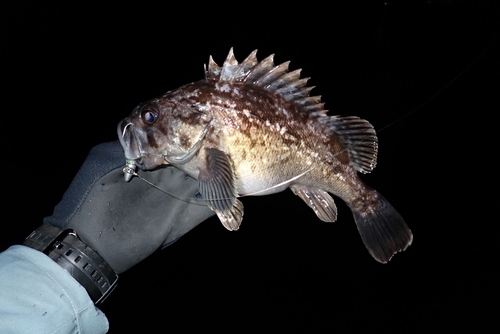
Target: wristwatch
{"points": [[77, 258]]}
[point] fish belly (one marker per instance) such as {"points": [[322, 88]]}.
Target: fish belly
{"points": [[259, 178]]}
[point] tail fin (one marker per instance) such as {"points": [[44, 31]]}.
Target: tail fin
{"points": [[382, 229]]}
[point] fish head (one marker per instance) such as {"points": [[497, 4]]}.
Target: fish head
{"points": [[143, 137], [164, 130]]}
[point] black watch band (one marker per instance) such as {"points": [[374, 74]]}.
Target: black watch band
{"points": [[77, 258]]}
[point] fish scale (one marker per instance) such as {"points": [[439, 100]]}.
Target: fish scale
{"points": [[252, 128]]}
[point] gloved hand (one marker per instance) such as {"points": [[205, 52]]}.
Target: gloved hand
{"points": [[124, 222]]}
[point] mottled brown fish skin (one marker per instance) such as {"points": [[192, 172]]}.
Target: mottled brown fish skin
{"points": [[251, 128], [263, 141]]}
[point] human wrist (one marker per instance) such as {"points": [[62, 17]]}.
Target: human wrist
{"points": [[83, 263]]}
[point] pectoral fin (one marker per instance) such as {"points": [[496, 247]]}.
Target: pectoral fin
{"points": [[217, 187], [318, 200]]}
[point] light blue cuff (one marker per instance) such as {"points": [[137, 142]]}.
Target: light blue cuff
{"points": [[38, 296]]}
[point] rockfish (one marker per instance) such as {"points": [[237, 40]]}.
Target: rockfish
{"points": [[252, 128]]}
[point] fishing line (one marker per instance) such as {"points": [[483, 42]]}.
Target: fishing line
{"points": [[439, 92], [202, 202], [196, 201]]}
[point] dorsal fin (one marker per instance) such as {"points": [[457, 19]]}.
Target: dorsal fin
{"points": [[360, 139], [357, 135], [275, 78]]}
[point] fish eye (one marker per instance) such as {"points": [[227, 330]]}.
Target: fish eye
{"points": [[149, 116]]}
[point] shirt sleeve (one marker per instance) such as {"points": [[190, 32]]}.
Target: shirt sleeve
{"points": [[38, 296]]}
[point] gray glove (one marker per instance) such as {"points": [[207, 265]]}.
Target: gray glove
{"points": [[124, 222]]}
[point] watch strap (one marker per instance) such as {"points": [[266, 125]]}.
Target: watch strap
{"points": [[77, 258]]}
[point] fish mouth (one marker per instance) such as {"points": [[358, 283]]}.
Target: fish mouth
{"points": [[134, 152], [130, 144]]}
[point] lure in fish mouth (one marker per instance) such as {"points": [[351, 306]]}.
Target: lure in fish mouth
{"points": [[252, 128], [138, 156], [134, 154], [132, 139]]}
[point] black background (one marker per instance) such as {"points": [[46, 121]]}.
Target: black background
{"points": [[426, 74]]}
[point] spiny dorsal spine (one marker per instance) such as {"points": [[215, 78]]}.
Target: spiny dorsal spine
{"points": [[275, 78], [357, 134]]}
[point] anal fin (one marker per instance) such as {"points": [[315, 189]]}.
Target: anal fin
{"points": [[319, 200]]}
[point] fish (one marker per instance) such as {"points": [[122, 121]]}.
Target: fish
{"points": [[254, 129]]}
